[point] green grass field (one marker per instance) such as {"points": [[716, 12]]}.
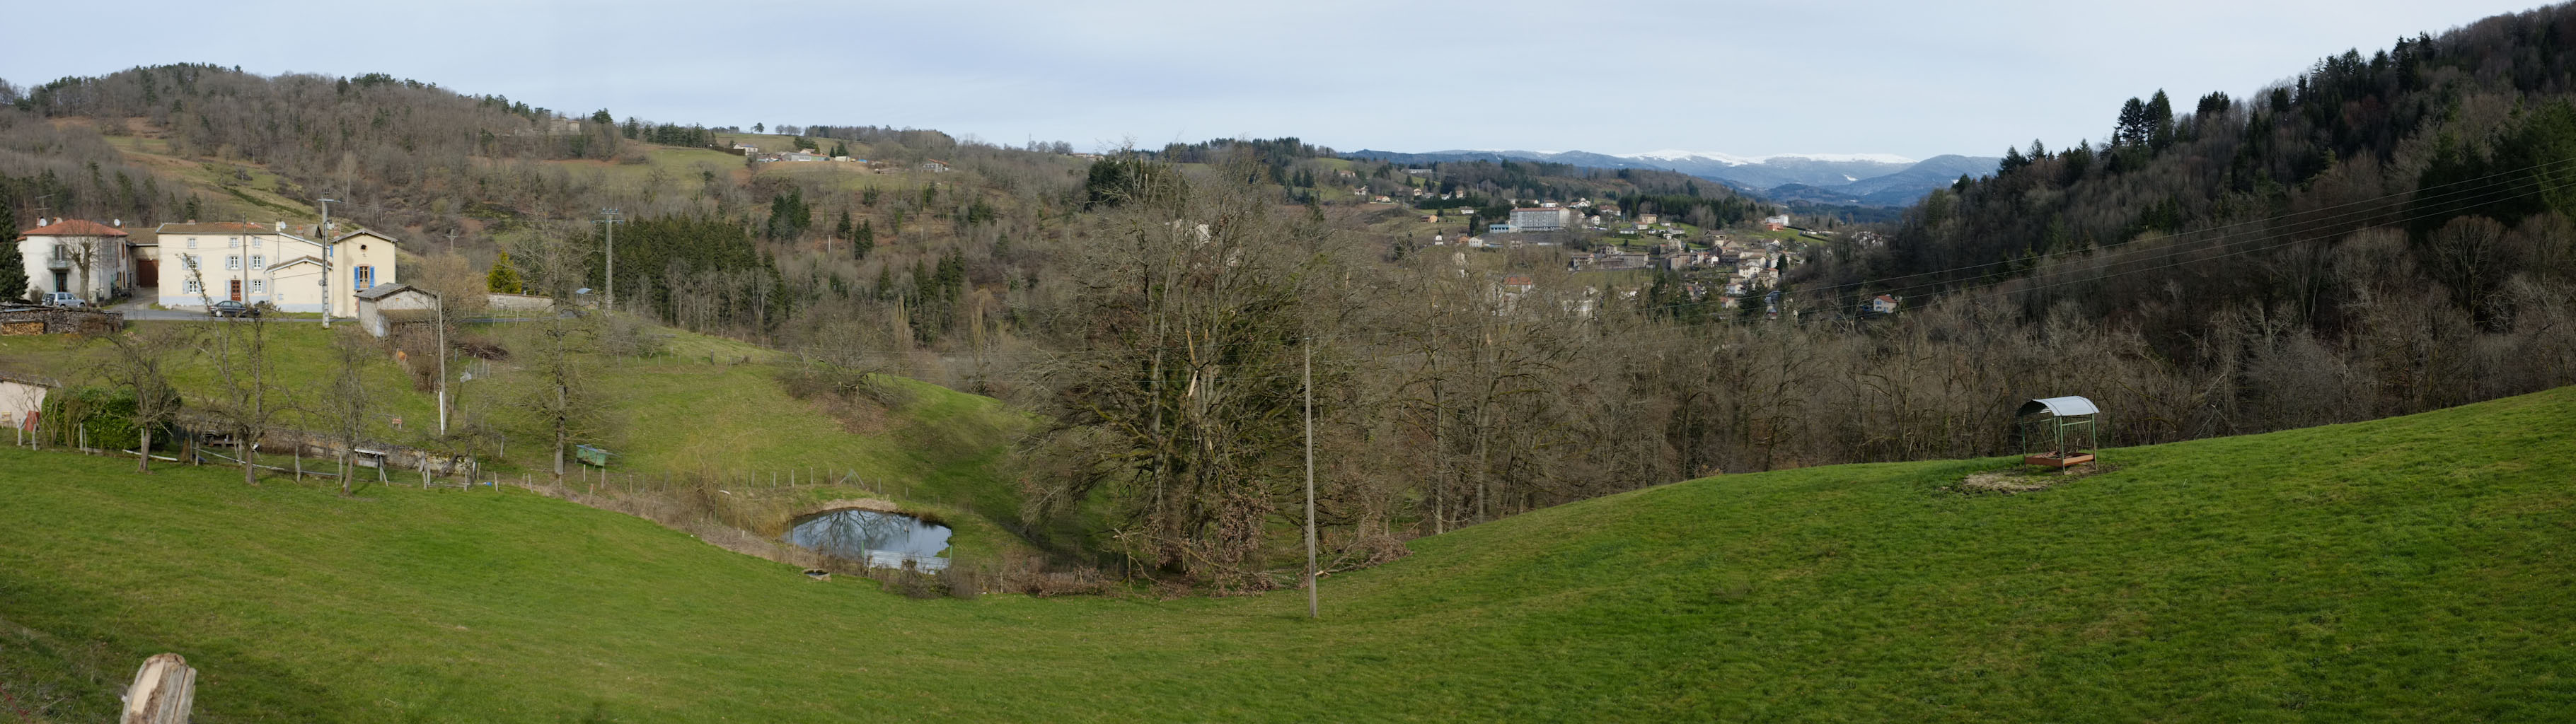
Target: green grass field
{"points": [[2412, 569], [706, 406]]}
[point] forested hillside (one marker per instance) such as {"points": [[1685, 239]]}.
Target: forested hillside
{"points": [[2386, 232]]}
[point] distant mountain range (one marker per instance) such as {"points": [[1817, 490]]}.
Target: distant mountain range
{"points": [[1868, 179]]}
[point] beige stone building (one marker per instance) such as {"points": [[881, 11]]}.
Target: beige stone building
{"points": [[280, 264]]}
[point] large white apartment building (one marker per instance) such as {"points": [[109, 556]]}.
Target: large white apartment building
{"points": [[1542, 219], [280, 264]]}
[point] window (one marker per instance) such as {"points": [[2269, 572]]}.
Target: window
{"points": [[256, 241], [258, 261], [258, 286], [232, 242], [364, 276], [192, 242], [191, 260], [232, 261], [189, 286]]}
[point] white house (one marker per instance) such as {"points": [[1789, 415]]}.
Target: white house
{"points": [[55, 252], [279, 264]]}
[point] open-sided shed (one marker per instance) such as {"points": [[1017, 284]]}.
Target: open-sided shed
{"points": [[2059, 432], [385, 306]]}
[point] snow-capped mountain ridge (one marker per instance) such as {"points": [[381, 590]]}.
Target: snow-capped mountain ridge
{"points": [[1858, 178], [1735, 160]]}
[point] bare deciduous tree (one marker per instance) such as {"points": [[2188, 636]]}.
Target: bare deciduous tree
{"points": [[138, 361]]}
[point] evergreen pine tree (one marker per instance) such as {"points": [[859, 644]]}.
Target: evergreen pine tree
{"points": [[2160, 121], [504, 277], [13, 263], [865, 239]]}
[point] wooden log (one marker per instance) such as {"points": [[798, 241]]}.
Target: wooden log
{"points": [[164, 689], [2052, 461]]}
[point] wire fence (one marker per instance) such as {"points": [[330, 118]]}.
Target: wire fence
{"points": [[468, 474]]}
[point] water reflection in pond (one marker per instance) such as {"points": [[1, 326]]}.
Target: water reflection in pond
{"points": [[884, 540]]}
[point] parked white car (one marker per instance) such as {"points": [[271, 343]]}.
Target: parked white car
{"points": [[64, 299]]}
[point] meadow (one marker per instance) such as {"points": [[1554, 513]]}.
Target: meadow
{"points": [[2405, 569]]}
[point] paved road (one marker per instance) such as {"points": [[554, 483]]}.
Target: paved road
{"points": [[139, 308]]}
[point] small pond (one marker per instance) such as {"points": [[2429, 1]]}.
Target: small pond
{"points": [[884, 540]]}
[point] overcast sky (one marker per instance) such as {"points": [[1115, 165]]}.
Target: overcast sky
{"points": [[1752, 78]]}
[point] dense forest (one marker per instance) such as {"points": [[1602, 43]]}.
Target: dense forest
{"points": [[2382, 234]]}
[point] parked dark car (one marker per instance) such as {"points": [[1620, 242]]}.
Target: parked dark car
{"points": [[230, 308]]}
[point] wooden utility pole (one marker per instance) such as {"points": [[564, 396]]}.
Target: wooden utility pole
{"points": [[322, 236], [441, 301], [1313, 609], [610, 288]]}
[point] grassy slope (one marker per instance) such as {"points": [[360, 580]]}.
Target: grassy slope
{"points": [[679, 412], [2408, 569]]}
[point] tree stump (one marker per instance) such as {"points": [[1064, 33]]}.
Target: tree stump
{"points": [[163, 691]]}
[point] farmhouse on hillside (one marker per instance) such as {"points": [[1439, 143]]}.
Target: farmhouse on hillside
{"points": [[280, 264], [76, 255]]}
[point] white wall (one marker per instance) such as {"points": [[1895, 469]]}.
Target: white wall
{"points": [[16, 400]]}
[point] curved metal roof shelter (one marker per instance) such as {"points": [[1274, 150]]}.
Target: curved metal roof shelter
{"points": [[2059, 406]]}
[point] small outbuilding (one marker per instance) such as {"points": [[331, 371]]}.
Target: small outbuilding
{"points": [[2059, 432], [384, 306], [22, 398], [591, 455]]}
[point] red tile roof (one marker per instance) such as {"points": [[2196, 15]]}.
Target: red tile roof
{"points": [[218, 227], [74, 227]]}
